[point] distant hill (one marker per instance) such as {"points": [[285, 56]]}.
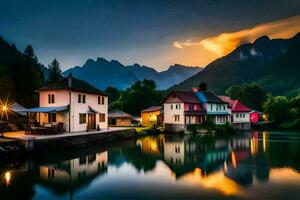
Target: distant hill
{"points": [[103, 73], [273, 64]]}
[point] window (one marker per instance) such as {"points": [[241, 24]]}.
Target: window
{"points": [[224, 107], [171, 106], [99, 100], [177, 149], [177, 118], [51, 98], [211, 107], [51, 117], [102, 100], [101, 117], [79, 98], [191, 107], [82, 118], [177, 106]]}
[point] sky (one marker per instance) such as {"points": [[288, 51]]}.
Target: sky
{"points": [[155, 33]]}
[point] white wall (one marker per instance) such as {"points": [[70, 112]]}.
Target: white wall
{"points": [[170, 153], [61, 98], [244, 117], [92, 101], [169, 114]]}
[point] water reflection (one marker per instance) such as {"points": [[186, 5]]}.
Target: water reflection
{"points": [[249, 165]]}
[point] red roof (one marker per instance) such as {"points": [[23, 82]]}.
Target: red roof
{"points": [[235, 105]]}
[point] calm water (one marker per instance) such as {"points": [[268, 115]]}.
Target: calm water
{"points": [[257, 165]]}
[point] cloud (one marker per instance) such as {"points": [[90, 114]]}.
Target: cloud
{"points": [[224, 43]]}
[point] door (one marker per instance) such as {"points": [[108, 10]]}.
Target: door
{"points": [[91, 121]]}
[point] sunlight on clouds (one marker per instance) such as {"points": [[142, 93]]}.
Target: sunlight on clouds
{"points": [[224, 43]]}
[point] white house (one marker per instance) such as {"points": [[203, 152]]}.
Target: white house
{"points": [[74, 104]]}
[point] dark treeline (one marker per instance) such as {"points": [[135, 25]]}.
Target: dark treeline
{"points": [[21, 74]]}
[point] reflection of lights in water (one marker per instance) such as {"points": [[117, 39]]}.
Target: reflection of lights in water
{"points": [[264, 142], [225, 167], [253, 146], [197, 171], [233, 160], [7, 178]]}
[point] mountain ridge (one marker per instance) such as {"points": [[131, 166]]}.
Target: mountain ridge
{"points": [[103, 73]]}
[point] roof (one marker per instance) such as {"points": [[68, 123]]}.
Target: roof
{"points": [[235, 105], [46, 109], [185, 96], [152, 109], [209, 97], [118, 114], [75, 85]]}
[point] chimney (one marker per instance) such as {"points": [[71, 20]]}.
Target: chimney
{"points": [[195, 89], [70, 80]]}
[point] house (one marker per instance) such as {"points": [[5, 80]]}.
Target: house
{"points": [[72, 103], [152, 116], [119, 118], [240, 114], [193, 107]]}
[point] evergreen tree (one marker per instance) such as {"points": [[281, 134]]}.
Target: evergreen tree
{"points": [[30, 52], [54, 71]]}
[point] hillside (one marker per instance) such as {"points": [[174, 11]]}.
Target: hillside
{"points": [[20, 75], [273, 64], [103, 73]]}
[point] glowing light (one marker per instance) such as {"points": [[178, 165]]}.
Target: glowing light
{"points": [[4, 108], [7, 178]]}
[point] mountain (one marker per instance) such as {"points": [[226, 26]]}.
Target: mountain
{"points": [[103, 73], [273, 64]]}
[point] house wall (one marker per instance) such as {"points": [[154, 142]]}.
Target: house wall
{"points": [[174, 152], [122, 121], [241, 117], [77, 108], [149, 117], [61, 98], [169, 114], [215, 111]]}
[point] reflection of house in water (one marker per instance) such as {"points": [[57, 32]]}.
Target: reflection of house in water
{"points": [[67, 175]]}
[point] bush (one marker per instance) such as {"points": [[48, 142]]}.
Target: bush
{"points": [[212, 127], [295, 124]]}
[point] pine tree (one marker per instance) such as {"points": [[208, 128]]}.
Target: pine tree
{"points": [[30, 52], [54, 71]]}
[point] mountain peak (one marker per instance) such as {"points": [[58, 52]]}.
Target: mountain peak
{"points": [[101, 60], [262, 39], [89, 61]]}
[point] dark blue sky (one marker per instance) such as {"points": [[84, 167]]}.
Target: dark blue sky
{"points": [[130, 31]]}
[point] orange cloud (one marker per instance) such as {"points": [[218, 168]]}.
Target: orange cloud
{"points": [[224, 43]]}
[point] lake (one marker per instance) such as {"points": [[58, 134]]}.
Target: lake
{"points": [[256, 165]]}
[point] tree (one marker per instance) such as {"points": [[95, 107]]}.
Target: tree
{"points": [[251, 95], [54, 71], [28, 51], [113, 93], [203, 86], [141, 95], [277, 109]]}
